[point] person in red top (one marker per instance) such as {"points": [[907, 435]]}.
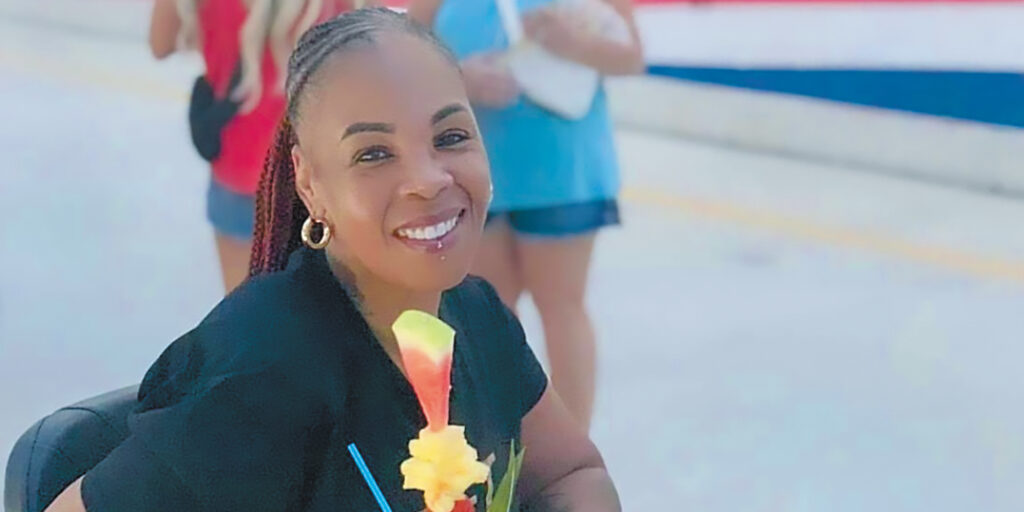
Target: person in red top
{"points": [[256, 37]]}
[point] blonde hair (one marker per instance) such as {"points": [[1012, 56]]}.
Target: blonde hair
{"points": [[277, 22]]}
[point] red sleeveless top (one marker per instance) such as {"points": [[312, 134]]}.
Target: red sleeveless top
{"points": [[247, 137]]}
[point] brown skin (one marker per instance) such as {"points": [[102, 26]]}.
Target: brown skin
{"points": [[369, 183]]}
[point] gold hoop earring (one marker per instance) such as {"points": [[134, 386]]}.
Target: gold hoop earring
{"points": [[307, 233]]}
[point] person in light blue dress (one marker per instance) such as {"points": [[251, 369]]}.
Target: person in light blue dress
{"points": [[555, 180]]}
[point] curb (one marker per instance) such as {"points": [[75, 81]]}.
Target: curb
{"points": [[929, 148]]}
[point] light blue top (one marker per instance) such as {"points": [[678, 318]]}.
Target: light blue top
{"points": [[538, 159]]}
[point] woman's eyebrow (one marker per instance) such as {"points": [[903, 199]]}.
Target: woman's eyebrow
{"points": [[446, 111], [438, 116], [355, 128]]}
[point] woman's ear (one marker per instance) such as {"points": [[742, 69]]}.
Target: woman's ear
{"points": [[304, 181]]}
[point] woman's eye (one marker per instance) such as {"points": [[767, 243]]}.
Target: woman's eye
{"points": [[372, 155], [450, 138]]}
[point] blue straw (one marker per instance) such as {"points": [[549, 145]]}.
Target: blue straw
{"points": [[374, 488]]}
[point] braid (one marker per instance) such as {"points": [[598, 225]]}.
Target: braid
{"points": [[279, 210], [343, 32]]}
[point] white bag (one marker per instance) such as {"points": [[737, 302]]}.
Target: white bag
{"points": [[562, 86]]}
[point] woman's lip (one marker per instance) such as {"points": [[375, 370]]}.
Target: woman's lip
{"points": [[437, 245], [431, 220]]}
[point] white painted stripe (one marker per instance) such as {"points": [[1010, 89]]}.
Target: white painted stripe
{"points": [[963, 37], [948, 151]]}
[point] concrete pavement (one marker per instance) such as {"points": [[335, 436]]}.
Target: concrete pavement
{"points": [[775, 334]]}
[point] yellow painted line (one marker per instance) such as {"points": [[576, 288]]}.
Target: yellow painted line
{"points": [[66, 71], [947, 258], [860, 240]]}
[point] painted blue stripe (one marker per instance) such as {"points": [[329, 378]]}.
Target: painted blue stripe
{"points": [[995, 98]]}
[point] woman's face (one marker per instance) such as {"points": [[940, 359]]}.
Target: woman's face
{"points": [[390, 156]]}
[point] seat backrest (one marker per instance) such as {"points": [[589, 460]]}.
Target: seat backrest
{"points": [[61, 447]]}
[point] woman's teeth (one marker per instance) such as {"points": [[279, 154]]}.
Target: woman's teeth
{"points": [[430, 232]]}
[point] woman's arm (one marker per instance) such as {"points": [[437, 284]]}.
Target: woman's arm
{"points": [[562, 470], [556, 29], [69, 500], [488, 83], [163, 28]]}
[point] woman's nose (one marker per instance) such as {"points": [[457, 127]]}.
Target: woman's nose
{"points": [[427, 177]]}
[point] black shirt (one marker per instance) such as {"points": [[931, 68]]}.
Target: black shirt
{"points": [[253, 409]]}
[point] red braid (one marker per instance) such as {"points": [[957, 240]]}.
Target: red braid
{"points": [[279, 211]]}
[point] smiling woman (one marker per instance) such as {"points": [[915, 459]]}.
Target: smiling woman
{"points": [[387, 182], [379, 171]]}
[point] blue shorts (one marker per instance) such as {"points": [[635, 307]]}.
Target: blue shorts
{"points": [[230, 213], [563, 220]]}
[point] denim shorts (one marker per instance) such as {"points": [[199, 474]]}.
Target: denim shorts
{"points": [[230, 213], [563, 220]]}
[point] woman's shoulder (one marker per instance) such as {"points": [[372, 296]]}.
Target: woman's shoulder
{"points": [[279, 322], [257, 315], [302, 303], [261, 300]]}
